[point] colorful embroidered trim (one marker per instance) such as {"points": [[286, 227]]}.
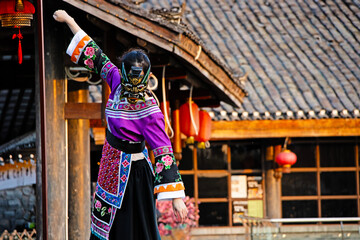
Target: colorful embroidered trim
{"points": [[124, 175], [130, 107], [146, 154], [162, 150], [107, 197], [79, 48], [105, 70], [169, 187], [101, 237], [102, 217]]}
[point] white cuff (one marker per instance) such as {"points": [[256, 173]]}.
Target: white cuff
{"points": [[170, 195], [75, 41]]}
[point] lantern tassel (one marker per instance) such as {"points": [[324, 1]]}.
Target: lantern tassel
{"points": [[19, 35]]}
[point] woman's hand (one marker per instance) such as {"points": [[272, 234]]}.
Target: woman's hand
{"points": [[61, 16], [180, 210]]}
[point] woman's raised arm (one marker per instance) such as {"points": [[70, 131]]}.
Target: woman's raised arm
{"points": [[85, 52], [62, 16]]}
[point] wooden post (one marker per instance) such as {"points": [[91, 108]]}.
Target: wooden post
{"points": [[162, 108], [175, 107], [79, 170], [272, 184], [50, 125], [177, 134]]}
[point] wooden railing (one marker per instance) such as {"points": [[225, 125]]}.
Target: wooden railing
{"points": [[15, 235]]}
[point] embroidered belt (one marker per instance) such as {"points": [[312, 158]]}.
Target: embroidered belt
{"points": [[123, 145]]}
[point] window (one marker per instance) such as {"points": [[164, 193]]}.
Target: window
{"points": [[323, 182], [299, 183], [226, 179]]}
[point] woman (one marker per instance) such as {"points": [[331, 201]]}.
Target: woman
{"points": [[124, 204]]}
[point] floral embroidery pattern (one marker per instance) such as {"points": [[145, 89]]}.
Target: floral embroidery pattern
{"points": [[104, 58], [89, 63], [158, 178], [166, 169], [179, 177], [102, 210], [90, 51], [167, 161], [159, 167], [89, 56], [97, 204]]}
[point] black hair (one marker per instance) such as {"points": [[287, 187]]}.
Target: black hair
{"points": [[134, 57]]}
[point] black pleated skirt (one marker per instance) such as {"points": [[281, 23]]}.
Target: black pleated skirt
{"points": [[136, 219]]}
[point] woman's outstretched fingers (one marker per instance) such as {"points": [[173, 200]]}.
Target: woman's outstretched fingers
{"points": [[183, 214]]}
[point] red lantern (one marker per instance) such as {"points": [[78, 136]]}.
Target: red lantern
{"points": [[205, 129], [186, 123], [286, 159], [16, 14]]}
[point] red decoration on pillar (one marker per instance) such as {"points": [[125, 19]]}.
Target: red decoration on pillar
{"points": [[205, 129], [186, 125], [16, 14], [286, 159]]}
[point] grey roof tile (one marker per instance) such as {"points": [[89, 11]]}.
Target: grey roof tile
{"points": [[301, 56]]}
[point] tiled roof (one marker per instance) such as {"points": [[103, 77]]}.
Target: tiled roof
{"points": [[26, 141], [17, 112], [302, 56]]}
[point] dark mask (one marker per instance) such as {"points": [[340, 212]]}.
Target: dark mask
{"points": [[134, 83]]}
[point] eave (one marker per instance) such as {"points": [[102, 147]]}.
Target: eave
{"points": [[168, 39], [249, 129], [233, 130]]}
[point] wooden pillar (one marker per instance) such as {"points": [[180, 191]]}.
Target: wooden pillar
{"points": [[50, 125], [79, 170], [176, 127], [272, 184], [175, 107]]}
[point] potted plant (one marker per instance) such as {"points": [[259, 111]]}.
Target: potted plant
{"points": [[169, 226]]}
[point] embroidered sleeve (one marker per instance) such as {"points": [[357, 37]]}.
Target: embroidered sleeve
{"points": [[85, 52], [168, 182]]}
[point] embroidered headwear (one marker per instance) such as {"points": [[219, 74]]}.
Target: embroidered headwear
{"points": [[134, 82]]}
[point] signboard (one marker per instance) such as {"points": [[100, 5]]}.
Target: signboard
{"points": [[240, 209], [254, 187], [255, 208], [238, 186], [18, 174]]}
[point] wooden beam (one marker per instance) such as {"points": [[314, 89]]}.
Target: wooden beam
{"points": [[232, 130], [82, 110]]}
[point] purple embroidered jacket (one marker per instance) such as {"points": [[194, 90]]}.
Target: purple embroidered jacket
{"points": [[132, 122]]}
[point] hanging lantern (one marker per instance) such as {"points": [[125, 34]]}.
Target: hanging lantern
{"points": [[286, 159], [16, 14], [205, 129], [189, 120]]}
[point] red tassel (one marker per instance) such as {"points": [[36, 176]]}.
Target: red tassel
{"points": [[19, 35], [20, 52]]}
